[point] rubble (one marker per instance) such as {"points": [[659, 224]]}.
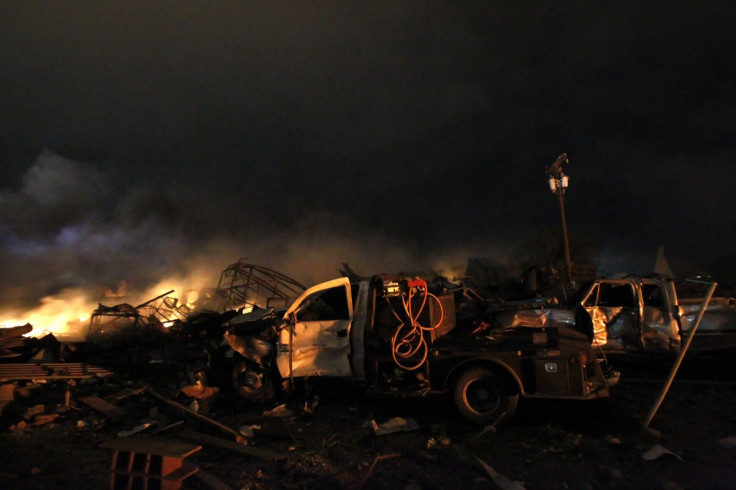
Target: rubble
{"points": [[12, 338], [500, 480], [58, 413], [331, 447], [394, 424], [657, 451]]}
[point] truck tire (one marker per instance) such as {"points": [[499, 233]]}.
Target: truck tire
{"points": [[251, 383], [484, 396]]}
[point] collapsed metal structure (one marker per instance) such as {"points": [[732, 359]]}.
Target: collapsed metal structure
{"points": [[250, 286], [242, 286], [154, 312]]}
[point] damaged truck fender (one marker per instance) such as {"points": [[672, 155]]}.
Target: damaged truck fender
{"points": [[252, 337]]}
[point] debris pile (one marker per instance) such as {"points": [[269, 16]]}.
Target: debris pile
{"points": [[137, 410]]}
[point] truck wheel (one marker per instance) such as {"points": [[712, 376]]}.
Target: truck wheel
{"points": [[485, 397], [251, 383]]}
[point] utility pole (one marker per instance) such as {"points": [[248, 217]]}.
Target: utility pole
{"points": [[558, 183]]}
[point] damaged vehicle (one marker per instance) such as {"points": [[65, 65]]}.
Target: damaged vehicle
{"points": [[635, 314], [399, 335]]}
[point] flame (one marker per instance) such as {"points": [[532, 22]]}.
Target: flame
{"points": [[67, 314], [63, 315]]}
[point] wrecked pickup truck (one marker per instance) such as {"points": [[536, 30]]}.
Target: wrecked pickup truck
{"points": [[634, 314], [395, 336]]}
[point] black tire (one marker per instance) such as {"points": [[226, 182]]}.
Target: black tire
{"points": [[251, 383], [484, 396]]}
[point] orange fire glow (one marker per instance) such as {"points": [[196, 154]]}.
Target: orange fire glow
{"points": [[65, 315]]}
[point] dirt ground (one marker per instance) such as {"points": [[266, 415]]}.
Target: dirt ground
{"points": [[547, 444]]}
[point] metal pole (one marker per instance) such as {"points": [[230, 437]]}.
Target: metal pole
{"points": [[683, 350], [558, 183], [561, 197]]}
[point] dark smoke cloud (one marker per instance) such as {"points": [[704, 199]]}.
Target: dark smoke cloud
{"points": [[71, 226], [395, 136]]}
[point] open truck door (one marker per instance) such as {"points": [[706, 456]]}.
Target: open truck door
{"points": [[615, 311], [316, 339]]}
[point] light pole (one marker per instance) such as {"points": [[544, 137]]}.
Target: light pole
{"points": [[558, 183]]}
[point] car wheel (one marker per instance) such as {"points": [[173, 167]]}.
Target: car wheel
{"points": [[484, 396], [252, 383]]}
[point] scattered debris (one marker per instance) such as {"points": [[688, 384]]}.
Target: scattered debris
{"points": [[487, 429], [438, 442], [657, 452], [44, 418], [233, 446], [166, 427], [310, 405], [280, 412], [500, 480], [30, 413], [104, 407], [369, 472], [247, 431], [136, 429], [211, 480], [11, 338], [200, 417], [395, 424], [199, 391]]}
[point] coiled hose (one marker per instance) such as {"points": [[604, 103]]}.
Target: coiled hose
{"points": [[408, 339]]}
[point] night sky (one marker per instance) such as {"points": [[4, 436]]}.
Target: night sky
{"points": [[140, 142]]}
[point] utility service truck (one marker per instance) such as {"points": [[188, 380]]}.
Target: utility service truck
{"points": [[399, 335]]}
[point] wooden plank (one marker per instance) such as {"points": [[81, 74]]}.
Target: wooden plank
{"points": [[102, 406], [71, 370], [233, 446], [212, 481], [198, 416]]}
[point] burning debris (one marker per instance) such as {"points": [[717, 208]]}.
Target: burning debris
{"points": [[11, 339], [156, 378], [242, 287]]}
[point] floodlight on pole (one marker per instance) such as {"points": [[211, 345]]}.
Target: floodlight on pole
{"points": [[558, 184]]}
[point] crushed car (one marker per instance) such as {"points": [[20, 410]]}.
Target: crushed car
{"points": [[625, 314]]}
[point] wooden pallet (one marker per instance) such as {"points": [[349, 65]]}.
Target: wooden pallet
{"points": [[50, 370]]}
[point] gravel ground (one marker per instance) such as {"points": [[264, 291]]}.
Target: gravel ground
{"points": [[547, 445]]}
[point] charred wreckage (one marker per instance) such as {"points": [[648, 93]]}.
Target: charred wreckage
{"points": [[262, 335]]}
